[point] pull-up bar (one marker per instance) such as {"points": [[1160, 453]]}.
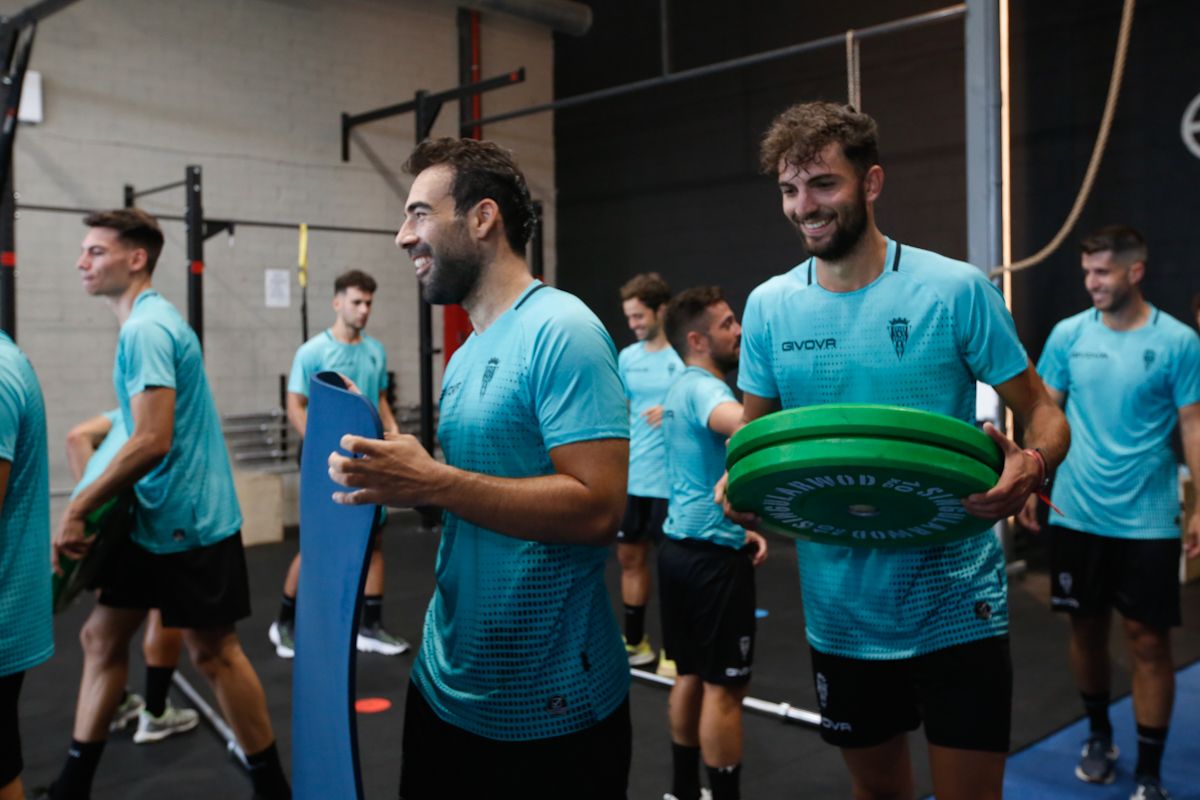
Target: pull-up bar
{"points": [[426, 105], [835, 40]]}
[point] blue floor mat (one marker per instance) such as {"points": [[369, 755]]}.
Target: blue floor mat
{"points": [[1046, 769]]}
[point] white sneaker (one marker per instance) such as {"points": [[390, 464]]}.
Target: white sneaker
{"points": [[705, 794], [173, 721], [127, 712], [281, 635], [376, 640]]}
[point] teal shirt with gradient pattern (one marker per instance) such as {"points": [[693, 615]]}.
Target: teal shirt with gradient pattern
{"points": [[696, 460], [26, 632], [187, 501], [1124, 390], [520, 639], [647, 376], [919, 336]]}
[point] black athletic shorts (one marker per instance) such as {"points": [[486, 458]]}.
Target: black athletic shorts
{"points": [[1139, 577], [442, 761], [963, 695], [206, 587], [10, 729], [643, 521], [706, 592]]}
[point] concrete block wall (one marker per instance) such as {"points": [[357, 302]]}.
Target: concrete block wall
{"points": [[252, 91]]}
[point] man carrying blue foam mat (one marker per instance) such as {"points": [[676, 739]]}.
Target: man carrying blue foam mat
{"points": [[334, 540], [520, 687]]}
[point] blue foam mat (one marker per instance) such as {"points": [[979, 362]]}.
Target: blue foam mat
{"points": [[335, 544], [1046, 769]]}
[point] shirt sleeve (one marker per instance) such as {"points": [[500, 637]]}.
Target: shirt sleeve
{"points": [[1052, 365], [708, 396], [298, 379], [577, 392], [755, 374], [148, 351], [989, 338], [1186, 386], [622, 365], [383, 371], [11, 404]]}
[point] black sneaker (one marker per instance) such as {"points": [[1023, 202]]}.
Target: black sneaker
{"points": [[1098, 761]]}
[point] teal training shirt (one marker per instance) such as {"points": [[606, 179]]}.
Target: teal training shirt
{"points": [[520, 639], [918, 336], [365, 363], [696, 460], [187, 500], [26, 632], [1124, 391], [117, 436], [647, 375]]}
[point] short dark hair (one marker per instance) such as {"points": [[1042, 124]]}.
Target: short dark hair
{"points": [[134, 227], [481, 170], [687, 311], [354, 279], [649, 288], [1124, 242], [799, 134]]}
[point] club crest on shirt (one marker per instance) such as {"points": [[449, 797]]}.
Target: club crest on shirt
{"points": [[898, 329], [1148, 358], [557, 705], [488, 372]]}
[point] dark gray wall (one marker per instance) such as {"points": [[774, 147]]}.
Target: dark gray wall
{"points": [[667, 179]]}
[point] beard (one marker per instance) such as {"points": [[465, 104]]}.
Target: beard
{"points": [[454, 274], [851, 225], [726, 361]]}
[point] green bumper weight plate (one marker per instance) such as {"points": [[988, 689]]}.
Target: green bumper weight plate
{"points": [[860, 419], [862, 491]]}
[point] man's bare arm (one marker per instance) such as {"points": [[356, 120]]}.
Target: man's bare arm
{"points": [[297, 412], [82, 441], [153, 430], [1189, 430], [1045, 429], [386, 416], [5, 471], [581, 503]]}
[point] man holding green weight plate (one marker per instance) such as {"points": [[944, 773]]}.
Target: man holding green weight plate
{"points": [[916, 636]]}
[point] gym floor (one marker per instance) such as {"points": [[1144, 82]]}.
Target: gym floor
{"points": [[781, 760]]}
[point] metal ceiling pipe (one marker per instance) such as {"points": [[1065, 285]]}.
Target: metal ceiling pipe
{"points": [[564, 16]]}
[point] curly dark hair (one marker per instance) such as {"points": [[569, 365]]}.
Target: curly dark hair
{"points": [[481, 170], [799, 134], [649, 288]]}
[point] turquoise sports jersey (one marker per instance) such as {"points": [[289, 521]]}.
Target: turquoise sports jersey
{"points": [[696, 460], [364, 363], [187, 500], [117, 436], [918, 336], [520, 639], [26, 632], [647, 376], [1124, 391]]}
